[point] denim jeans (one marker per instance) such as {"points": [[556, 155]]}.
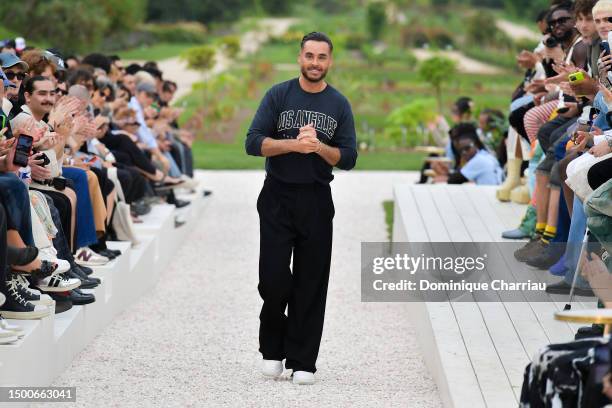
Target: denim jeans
{"points": [[574, 244]]}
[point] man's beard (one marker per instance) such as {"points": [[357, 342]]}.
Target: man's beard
{"points": [[568, 34], [313, 80]]}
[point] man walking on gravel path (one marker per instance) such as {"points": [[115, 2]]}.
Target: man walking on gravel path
{"points": [[303, 127]]}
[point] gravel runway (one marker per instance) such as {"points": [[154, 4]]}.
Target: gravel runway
{"points": [[192, 341]]}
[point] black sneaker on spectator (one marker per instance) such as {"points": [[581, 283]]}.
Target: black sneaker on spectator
{"points": [[31, 295], [87, 257], [531, 249], [595, 330], [544, 260], [17, 307], [563, 288], [86, 281], [87, 270], [75, 297]]}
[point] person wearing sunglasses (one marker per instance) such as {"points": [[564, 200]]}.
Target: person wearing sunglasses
{"points": [[15, 71], [480, 166]]}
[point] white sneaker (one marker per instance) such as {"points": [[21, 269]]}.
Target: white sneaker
{"points": [[87, 257], [7, 337], [57, 283], [2, 298], [50, 254], [303, 378], [18, 331], [272, 368]]}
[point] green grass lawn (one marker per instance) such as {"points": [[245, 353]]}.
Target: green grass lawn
{"points": [[155, 52], [221, 156]]}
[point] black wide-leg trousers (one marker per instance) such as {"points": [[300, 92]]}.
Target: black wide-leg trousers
{"points": [[295, 219]]}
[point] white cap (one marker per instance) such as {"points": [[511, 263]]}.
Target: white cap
{"points": [[20, 43]]}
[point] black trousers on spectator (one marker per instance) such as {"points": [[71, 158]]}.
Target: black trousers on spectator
{"points": [[600, 173], [127, 152], [294, 219]]}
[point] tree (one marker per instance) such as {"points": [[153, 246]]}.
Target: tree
{"points": [[436, 71], [376, 19], [71, 25], [201, 58]]}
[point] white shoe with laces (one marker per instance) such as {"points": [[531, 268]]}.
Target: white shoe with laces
{"points": [[58, 283], [303, 378], [272, 368]]}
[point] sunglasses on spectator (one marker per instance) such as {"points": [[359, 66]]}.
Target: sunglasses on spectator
{"points": [[560, 20], [61, 91], [466, 149], [132, 124], [12, 75]]}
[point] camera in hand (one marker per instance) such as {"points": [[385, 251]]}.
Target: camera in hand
{"points": [[42, 156], [551, 42], [22, 150]]}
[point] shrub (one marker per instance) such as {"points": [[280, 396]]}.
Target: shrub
{"points": [[231, 45], [403, 123], [200, 58]]}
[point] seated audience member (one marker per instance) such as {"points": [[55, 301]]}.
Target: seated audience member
{"points": [[480, 166]]}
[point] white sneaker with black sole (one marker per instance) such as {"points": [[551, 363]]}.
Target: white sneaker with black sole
{"points": [[58, 283], [272, 368], [303, 378]]}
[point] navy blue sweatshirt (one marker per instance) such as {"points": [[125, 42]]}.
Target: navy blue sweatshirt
{"points": [[285, 108]]}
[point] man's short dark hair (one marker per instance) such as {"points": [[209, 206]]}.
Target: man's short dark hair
{"points": [[132, 69], [79, 75], [169, 86], [114, 58], [584, 7], [317, 36], [98, 61], [28, 85]]}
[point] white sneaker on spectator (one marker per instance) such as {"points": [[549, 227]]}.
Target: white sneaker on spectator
{"points": [[272, 368], [4, 324], [303, 378], [50, 254], [87, 257], [58, 283], [7, 336], [189, 183]]}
